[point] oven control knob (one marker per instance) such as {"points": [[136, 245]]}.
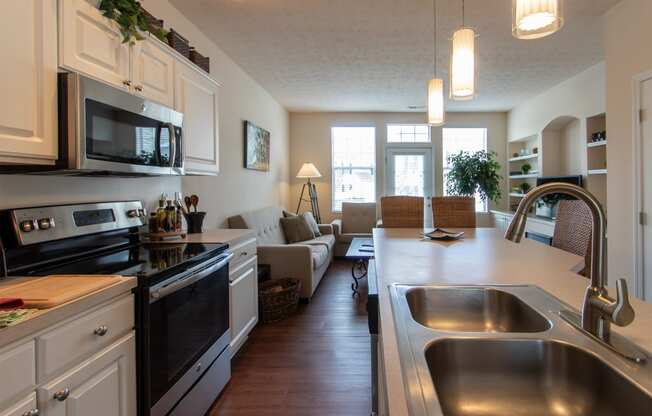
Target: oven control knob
{"points": [[132, 213], [45, 223], [27, 226]]}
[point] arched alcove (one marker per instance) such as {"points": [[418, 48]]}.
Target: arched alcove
{"points": [[563, 147]]}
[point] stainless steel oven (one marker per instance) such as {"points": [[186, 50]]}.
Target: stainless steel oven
{"points": [[186, 335], [104, 130]]}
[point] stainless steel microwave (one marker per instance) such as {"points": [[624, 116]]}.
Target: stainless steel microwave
{"points": [[106, 131]]}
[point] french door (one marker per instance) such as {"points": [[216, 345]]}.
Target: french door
{"points": [[409, 172]]}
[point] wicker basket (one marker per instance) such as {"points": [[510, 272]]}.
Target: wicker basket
{"points": [[179, 43], [279, 298], [200, 60], [152, 21]]}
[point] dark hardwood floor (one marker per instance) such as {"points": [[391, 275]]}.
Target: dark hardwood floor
{"points": [[314, 363]]}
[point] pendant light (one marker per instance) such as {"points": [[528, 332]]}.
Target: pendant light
{"points": [[463, 73], [532, 19], [436, 112]]}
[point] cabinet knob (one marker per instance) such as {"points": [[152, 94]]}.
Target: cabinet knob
{"points": [[126, 83], [33, 412], [138, 87], [62, 395], [100, 331]]}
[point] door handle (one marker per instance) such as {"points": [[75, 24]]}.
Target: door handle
{"points": [[173, 144]]}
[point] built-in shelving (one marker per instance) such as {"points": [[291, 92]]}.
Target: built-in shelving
{"points": [[597, 144], [526, 157]]}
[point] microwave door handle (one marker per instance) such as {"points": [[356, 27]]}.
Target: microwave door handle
{"points": [[173, 144]]}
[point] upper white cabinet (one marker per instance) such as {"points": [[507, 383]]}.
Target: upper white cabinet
{"points": [[153, 72], [28, 81], [92, 44], [196, 96]]}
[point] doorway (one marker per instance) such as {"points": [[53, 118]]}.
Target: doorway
{"points": [[409, 172]]}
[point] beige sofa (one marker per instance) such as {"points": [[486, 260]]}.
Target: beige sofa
{"points": [[306, 261], [358, 221]]}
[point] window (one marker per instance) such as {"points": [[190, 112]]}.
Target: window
{"points": [[456, 140], [408, 133], [354, 165]]}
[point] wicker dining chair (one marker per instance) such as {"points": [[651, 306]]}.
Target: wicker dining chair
{"points": [[401, 211], [453, 211], [573, 230]]}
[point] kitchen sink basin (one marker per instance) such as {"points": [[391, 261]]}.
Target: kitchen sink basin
{"points": [[528, 377], [473, 310]]}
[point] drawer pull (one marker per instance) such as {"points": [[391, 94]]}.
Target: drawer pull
{"points": [[126, 83], [138, 88], [33, 412], [100, 331], [244, 253], [62, 395]]}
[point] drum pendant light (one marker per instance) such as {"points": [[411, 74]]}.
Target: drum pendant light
{"points": [[436, 112], [533, 19], [464, 60]]}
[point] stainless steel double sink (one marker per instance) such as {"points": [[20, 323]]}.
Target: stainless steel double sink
{"points": [[504, 350]]}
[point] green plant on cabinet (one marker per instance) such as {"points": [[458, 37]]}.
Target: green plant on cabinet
{"points": [[130, 16]]}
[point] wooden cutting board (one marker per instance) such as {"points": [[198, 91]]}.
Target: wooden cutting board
{"points": [[50, 291]]}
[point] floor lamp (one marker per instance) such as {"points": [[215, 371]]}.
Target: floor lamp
{"points": [[309, 171]]}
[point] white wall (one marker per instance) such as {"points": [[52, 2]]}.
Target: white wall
{"points": [[310, 140], [580, 96], [628, 53], [233, 191]]}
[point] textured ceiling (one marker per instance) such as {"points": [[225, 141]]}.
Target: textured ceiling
{"points": [[377, 55]]}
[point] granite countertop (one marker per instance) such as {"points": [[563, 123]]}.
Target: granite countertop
{"points": [[483, 257], [45, 318]]}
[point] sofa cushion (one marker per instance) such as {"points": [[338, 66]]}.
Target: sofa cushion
{"points": [[310, 219], [326, 240], [296, 229], [265, 222], [358, 217], [319, 255]]}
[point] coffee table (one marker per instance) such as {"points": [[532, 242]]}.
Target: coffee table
{"points": [[360, 251]]}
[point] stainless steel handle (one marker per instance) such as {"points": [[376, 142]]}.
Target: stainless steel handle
{"points": [[101, 330], [126, 83], [173, 144], [62, 395], [138, 88], [623, 313], [162, 290], [33, 412]]}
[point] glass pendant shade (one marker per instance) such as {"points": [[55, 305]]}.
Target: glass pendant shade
{"points": [[463, 64], [532, 19], [436, 114]]}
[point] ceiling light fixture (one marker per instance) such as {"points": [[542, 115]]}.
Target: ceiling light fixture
{"points": [[436, 111], [464, 49], [533, 19]]}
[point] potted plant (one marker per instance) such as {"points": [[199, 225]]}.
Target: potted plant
{"points": [[526, 168], [473, 173], [131, 18], [525, 187]]}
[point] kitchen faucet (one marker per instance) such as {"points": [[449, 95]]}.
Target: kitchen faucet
{"points": [[599, 310]]}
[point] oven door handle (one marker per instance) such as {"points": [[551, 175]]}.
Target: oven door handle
{"points": [[159, 292]]}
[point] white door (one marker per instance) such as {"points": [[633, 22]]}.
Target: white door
{"points": [[646, 182], [28, 81], [196, 97], [104, 385], [409, 173], [153, 72], [92, 44]]}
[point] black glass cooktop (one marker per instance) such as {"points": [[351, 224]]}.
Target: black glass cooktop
{"points": [[141, 260]]}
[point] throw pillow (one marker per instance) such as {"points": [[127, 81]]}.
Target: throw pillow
{"points": [[288, 214], [296, 229], [310, 219]]}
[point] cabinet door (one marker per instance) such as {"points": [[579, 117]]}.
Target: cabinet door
{"points": [[196, 97], [28, 81], [22, 408], [91, 44], [103, 385], [243, 300], [153, 72]]}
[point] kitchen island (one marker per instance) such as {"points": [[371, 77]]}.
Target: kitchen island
{"points": [[483, 257]]}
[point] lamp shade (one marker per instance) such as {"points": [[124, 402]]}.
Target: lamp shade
{"points": [[308, 170], [532, 19], [436, 113], [463, 64]]}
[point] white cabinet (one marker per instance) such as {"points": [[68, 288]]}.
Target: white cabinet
{"points": [[28, 81], [18, 371], [92, 44], [103, 385], [243, 301], [25, 407], [153, 72], [196, 96]]}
